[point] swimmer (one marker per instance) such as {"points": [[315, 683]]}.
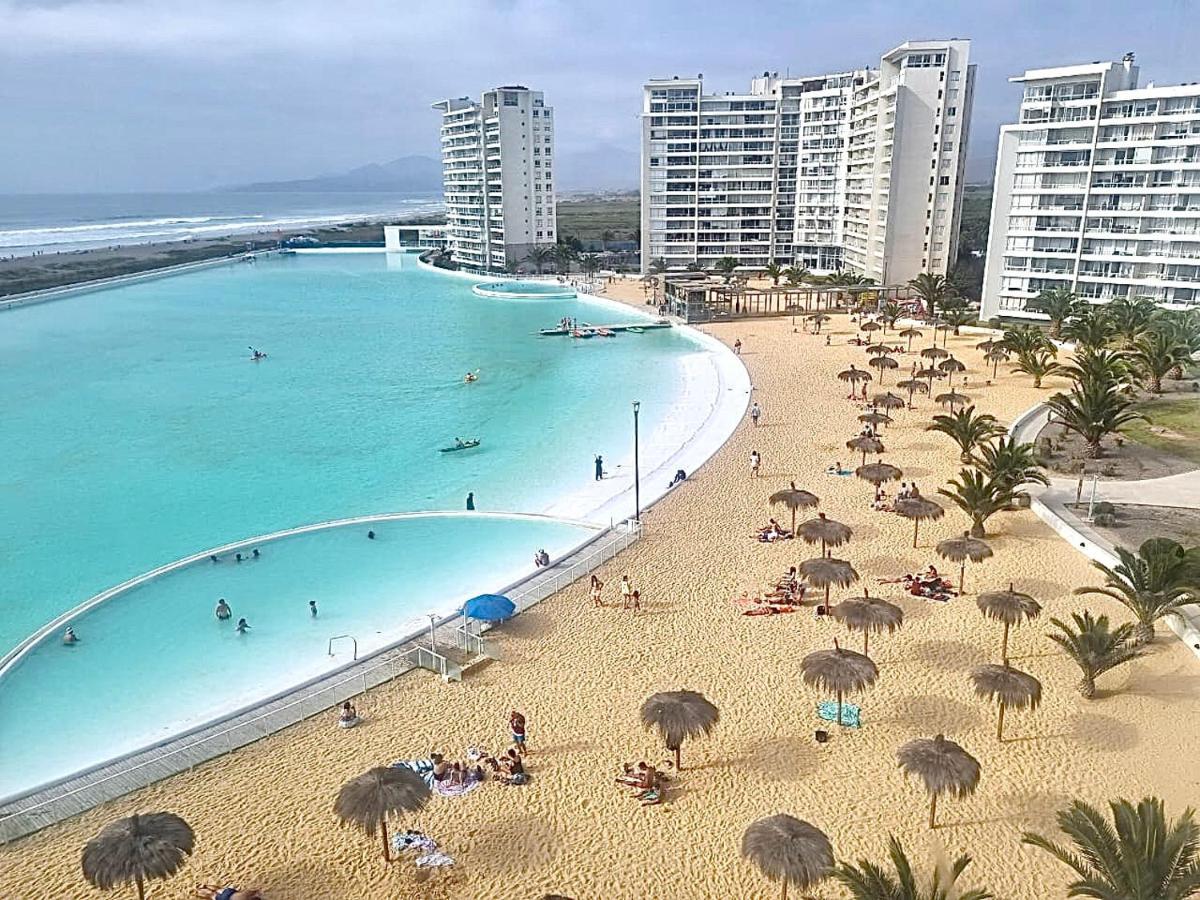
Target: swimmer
{"points": [[471, 376], [223, 611], [69, 637], [256, 554], [239, 557], [242, 626], [370, 535], [214, 557], [312, 608]]}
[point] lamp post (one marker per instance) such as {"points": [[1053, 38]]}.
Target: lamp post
{"points": [[637, 487]]}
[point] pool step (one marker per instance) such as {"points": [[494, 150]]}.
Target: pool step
{"points": [[450, 662]]}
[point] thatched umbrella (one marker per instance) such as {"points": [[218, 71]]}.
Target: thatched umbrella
{"points": [[817, 319], [368, 800], [824, 531], [919, 509], [879, 350], [945, 329], [789, 850], [875, 418], [1010, 607], [869, 326], [864, 445], [853, 375], [996, 356], [878, 473], [930, 372], [910, 333], [794, 498], [951, 398], [841, 671], [943, 766], [868, 614], [826, 571], [679, 715], [882, 363], [888, 400], [934, 353], [1008, 687], [950, 365], [960, 549], [987, 345], [150, 845], [912, 385]]}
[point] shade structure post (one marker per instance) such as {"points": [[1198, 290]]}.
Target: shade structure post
{"points": [[637, 487], [916, 525], [387, 856], [1000, 723], [933, 811]]}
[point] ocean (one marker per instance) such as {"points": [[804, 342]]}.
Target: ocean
{"points": [[57, 223]]}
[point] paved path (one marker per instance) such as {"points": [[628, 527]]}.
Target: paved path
{"points": [[1171, 490]]}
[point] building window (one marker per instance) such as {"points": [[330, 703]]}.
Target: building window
{"points": [[952, 110], [945, 179]]}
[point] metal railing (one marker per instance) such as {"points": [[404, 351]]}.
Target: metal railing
{"points": [[73, 795]]}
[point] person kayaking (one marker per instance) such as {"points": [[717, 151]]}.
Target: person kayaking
{"points": [[459, 443]]}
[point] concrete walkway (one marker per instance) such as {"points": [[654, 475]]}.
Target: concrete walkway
{"points": [[1181, 491]]}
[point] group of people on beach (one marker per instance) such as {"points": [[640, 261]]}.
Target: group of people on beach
{"points": [[784, 596], [631, 598], [647, 782], [772, 532]]}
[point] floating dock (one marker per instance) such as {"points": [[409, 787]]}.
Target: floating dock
{"points": [[587, 326]]}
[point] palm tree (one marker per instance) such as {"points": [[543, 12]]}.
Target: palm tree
{"points": [[1092, 330], [890, 313], [774, 271], [1155, 354], [679, 715], [868, 881], [606, 236], [1011, 462], [512, 265], [658, 265], [589, 263], [1024, 339], [979, 496], [1093, 411], [1158, 579], [933, 291], [797, 275], [1009, 687], [1101, 366], [563, 257], [966, 429], [943, 766], [1059, 304], [958, 317], [1130, 316], [149, 845], [1140, 856], [726, 266], [368, 800], [539, 256], [1039, 364], [788, 849], [1185, 324], [1094, 647]]}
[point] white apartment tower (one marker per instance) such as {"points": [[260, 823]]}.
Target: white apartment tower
{"points": [[498, 176], [861, 170], [1097, 190]]}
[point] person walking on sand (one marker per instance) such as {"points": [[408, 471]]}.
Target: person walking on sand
{"points": [[471, 501], [635, 600], [737, 346], [755, 463], [516, 724], [755, 413], [626, 591], [596, 589], [599, 466]]}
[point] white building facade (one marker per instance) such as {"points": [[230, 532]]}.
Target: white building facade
{"points": [[1097, 191], [861, 170], [498, 177]]}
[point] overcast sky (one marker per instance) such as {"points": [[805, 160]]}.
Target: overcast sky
{"points": [[130, 95]]}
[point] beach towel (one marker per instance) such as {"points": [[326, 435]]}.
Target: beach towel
{"points": [[436, 859], [415, 841], [851, 714], [420, 766], [446, 789]]}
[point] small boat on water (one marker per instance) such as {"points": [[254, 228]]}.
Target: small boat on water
{"points": [[605, 332], [461, 445], [583, 333], [634, 329]]}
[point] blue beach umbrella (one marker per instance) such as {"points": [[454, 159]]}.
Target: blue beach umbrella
{"points": [[489, 608]]}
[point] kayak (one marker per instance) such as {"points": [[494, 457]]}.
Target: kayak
{"points": [[635, 330], [466, 445]]}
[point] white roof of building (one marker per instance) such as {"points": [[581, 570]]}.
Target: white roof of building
{"points": [[1095, 68]]}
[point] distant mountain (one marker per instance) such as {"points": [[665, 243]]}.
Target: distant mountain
{"points": [[603, 167], [406, 175]]}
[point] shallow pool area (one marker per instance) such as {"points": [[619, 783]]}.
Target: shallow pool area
{"points": [[155, 660], [525, 290], [142, 431]]}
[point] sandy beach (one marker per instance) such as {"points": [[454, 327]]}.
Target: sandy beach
{"points": [[263, 815]]}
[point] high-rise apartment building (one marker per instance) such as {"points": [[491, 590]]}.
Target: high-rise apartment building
{"points": [[1097, 190], [861, 170], [498, 176]]}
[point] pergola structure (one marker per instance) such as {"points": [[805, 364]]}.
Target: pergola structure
{"points": [[706, 300]]}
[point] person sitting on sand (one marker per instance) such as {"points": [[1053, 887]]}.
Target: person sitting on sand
{"points": [[788, 580], [348, 717], [513, 770], [441, 768], [211, 892], [836, 469]]}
